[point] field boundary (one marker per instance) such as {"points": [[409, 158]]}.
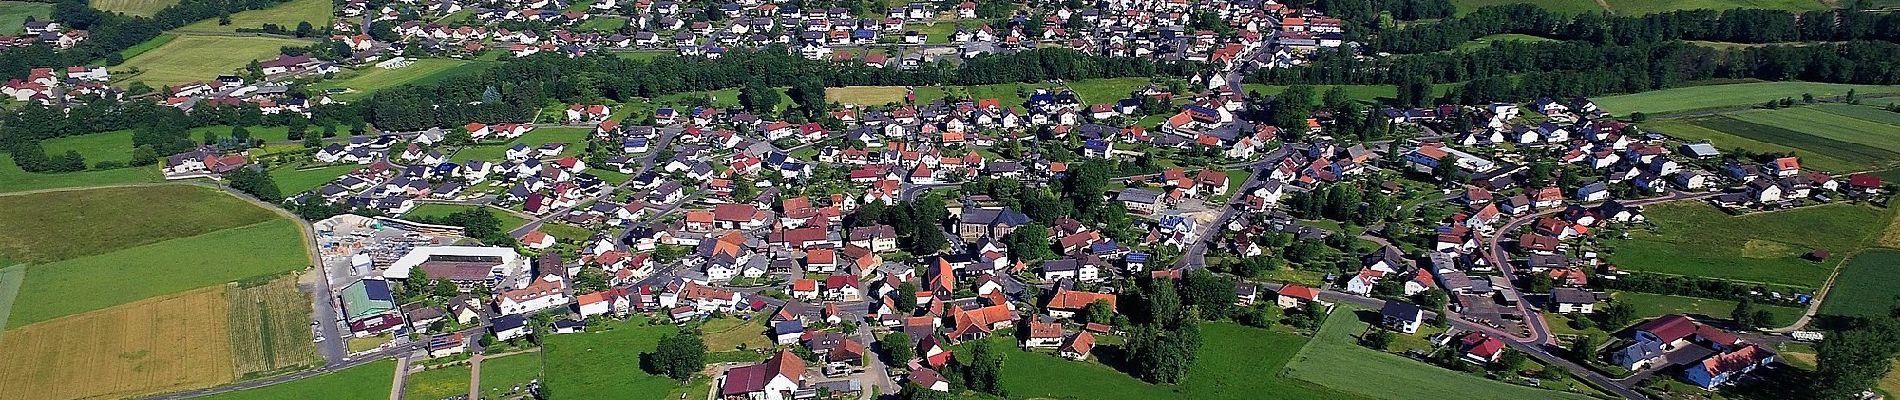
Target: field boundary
{"points": [[10, 280]]}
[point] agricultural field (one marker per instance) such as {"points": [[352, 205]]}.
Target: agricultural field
{"points": [[1828, 125], [13, 15], [364, 81], [1655, 305], [1806, 130], [286, 15], [132, 7], [47, 227], [1692, 130], [1766, 248], [502, 374], [1741, 95], [1335, 359], [95, 282], [171, 343], [14, 179], [599, 364], [1865, 286], [291, 181], [96, 147], [270, 328], [195, 58], [437, 383], [575, 138], [368, 381]]}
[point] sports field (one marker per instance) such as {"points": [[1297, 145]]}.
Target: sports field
{"points": [[47, 227], [601, 364], [170, 343], [1335, 359], [368, 381], [270, 327], [291, 181], [286, 15], [96, 147], [192, 58], [132, 7], [1741, 95], [94, 282], [13, 15], [1766, 247], [367, 80], [1865, 287]]}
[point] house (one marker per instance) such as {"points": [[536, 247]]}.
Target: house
{"points": [[1043, 335], [1293, 296], [448, 344], [508, 327], [775, 379], [1402, 316], [1723, 368], [1077, 346], [1480, 348], [1140, 201], [1639, 356], [547, 292], [788, 332], [1067, 303], [929, 379], [1566, 300]]}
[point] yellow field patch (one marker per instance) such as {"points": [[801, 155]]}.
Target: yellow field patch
{"points": [[191, 58], [1891, 237], [1755, 248], [133, 7], [866, 95], [163, 344], [270, 328]]}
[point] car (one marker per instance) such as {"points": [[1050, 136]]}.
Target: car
{"points": [[318, 340]]}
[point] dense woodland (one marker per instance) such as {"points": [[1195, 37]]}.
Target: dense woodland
{"points": [[108, 32]]}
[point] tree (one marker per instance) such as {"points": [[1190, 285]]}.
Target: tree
{"points": [[1377, 339], [1099, 312], [144, 155], [1029, 243], [304, 29], [1744, 313], [312, 141], [1511, 361], [758, 97], [1447, 170], [457, 137], [1852, 360], [679, 356], [906, 296], [1540, 283], [1617, 315], [255, 183], [1212, 294], [897, 346], [984, 372], [1585, 347]]}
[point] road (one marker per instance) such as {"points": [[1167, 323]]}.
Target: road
{"points": [[253, 384]]}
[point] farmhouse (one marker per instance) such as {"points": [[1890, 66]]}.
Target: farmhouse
{"points": [[775, 379]]}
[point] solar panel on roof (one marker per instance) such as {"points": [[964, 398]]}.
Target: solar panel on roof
{"points": [[377, 290]]}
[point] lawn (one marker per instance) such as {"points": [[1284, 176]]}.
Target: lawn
{"points": [[730, 333], [605, 24], [96, 282], [270, 328], [503, 374], [198, 58], [368, 381], [1236, 362], [437, 383], [47, 227], [13, 15], [1334, 359], [443, 210], [1814, 121], [565, 231], [575, 138], [1109, 90], [291, 181], [171, 343], [1650, 305], [1865, 287], [132, 7], [603, 363], [866, 95], [1563, 6], [364, 81], [286, 15], [1762, 247], [1485, 42], [1692, 130], [14, 179], [96, 147], [1730, 95]]}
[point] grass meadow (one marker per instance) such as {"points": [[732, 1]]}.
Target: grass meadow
{"points": [[286, 15], [437, 383], [367, 80], [1770, 244], [171, 343], [575, 138], [47, 227], [1650, 305], [132, 7], [1865, 287], [602, 363], [95, 282], [96, 147], [1730, 95], [291, 181], [501, 374], [192, 58], [1236, 362], [14, 179], [368, 381], [1335, 359]]}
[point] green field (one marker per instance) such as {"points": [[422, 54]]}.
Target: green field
{"points": [[1693, 130], [132, 7], [192, 58], [96, 147], [1650, 305], [607, 24], [564, 231], [1637, 7], [147, 45], [47, 227], [368, 381], [1809, 139], [1814, 121], [1335, 359], [602, 363], [502, 374], [291, 181], [575, 138], [14, 13], [366, 80], [1730, 95], [286, 15], [1485, 42], [1865, 286], [437, 383], [1236, 362], [1762, 247], [90, 283], [14, 179]]}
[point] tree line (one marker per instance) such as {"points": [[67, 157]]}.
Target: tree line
{"points": [[1738, 25]]}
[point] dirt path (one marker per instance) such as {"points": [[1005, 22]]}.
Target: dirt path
{"points": [[1605, 4], [475, 376]]}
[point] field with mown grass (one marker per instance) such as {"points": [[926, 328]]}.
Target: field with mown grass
{"points": [[132, 7], [163, 344], [291, 180], [1865, 286], [1650, 305], [13, 15], [47, 227], [287, 15], [364, 81], [437, 383], [1762, 247], [1744, 95], [192, 58], [603, 363], [96, 147], [1335, 359], [368, 381], [90, 283], [501, 375], [14, 179]]}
